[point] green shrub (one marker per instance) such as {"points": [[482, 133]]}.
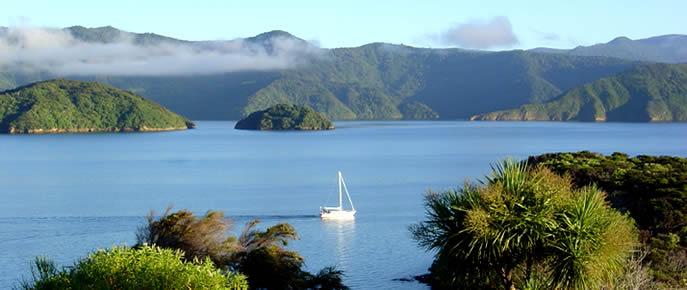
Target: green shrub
{"points": [[652, 189], [525, 228], [145, 267], [259, 254]]}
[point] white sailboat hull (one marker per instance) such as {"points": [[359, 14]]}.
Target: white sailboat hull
{"points": [[337, 214]]}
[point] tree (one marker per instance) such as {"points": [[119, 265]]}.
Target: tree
{"points": [[259, 254], [651, 189], [524, 227]]}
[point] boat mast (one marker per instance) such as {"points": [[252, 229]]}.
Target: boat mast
{"points": [[347, 194], [340, 193]]}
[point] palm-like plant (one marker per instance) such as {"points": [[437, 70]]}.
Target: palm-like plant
{"points": [[521, 224]]}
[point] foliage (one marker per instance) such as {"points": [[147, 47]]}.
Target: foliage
{"points": [[74, 106], [656, 92], [198, 238], [285, 117], [522, 227], [653, 190], [259, 254], [374, 81], [146, 267]]}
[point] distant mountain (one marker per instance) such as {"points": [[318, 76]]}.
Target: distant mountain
{"points": [[269, 39], [378, 81], [374, 81], [667, 49], [381, 81], [656, 92], [59, 106], [109, 34]]}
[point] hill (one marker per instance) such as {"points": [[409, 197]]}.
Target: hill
{"points": [[374, 81], [666, 48], [108, 34], [285, 117], [58, 106], [656, 92]]}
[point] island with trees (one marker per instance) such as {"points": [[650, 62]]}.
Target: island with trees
{"points": [[285, 117], [68, 106]]}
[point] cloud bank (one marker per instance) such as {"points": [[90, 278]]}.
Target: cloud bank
{"points": [[59, 52], [495, 32]]}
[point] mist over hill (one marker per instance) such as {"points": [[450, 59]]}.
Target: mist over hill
{"points": [[229, 79]]}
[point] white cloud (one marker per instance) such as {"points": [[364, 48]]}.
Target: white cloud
{"points": [[57, 51], [481, 34]]}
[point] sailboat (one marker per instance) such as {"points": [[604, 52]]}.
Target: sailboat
{"points": [[338, 213]]}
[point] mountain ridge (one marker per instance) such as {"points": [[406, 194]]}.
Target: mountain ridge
{"points": [[645, 93], [669, 48], [374, 81]]}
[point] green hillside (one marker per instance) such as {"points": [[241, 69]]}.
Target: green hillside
{"points": [[377, 81], [374, 81], [285, 117], [655, 93], [58, 106]]}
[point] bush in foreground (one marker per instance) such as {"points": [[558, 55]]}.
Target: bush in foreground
{"points": [[259, 254], [525, 228], [145, 267], [652, 189]]}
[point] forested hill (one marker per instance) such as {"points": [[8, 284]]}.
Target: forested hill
{"points": [[374, 81], [656, 92], [378, 81], [59, 106]]}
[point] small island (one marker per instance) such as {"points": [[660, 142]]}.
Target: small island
{"points": [[67, 106], [285, 117]]}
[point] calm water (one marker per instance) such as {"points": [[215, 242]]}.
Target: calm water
{"points": [[65, 195]]}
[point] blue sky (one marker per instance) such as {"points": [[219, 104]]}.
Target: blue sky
{"points": [[355, 22]]}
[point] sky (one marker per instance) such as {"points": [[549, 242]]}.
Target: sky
{"points": [[492, 25]]}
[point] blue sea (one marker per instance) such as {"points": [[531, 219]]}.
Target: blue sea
{"points": [[63, 196]]}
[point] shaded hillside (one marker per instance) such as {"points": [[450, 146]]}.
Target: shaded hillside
{"points": [[58, 106], [655, 92], [209, 97], [666, 48]]}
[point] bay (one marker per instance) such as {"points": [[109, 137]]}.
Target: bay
{"points": [[62, 196]]}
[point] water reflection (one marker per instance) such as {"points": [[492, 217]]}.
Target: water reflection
{"points": [[342, 233]]}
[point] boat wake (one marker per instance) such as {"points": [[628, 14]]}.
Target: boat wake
{"points": [[273, 217]]}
